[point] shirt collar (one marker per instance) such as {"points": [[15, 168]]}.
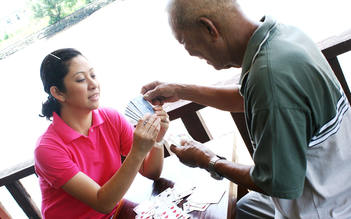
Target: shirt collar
{"points": [[256, 39], [67, 133]]}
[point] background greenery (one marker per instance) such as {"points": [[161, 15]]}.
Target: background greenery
{"points": [[38, 15]]}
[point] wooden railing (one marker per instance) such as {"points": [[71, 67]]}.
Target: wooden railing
{"points": [[188, 112]]}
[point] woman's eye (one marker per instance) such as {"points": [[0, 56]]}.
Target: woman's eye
{"points": [[93, 76], [80, 80]]}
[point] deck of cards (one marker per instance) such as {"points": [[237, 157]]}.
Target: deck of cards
{"points": [[166, 204], [137, 108]]}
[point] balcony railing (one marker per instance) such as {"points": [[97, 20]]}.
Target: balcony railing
{"points": [[188, 112]]}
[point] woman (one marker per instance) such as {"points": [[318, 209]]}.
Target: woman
{"points": [[78, 158]]}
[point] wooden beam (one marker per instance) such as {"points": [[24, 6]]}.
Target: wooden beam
{"points": [[239, 119], [336, 45], [178, 109], [196, 126], [23, 199], [17, 172]]}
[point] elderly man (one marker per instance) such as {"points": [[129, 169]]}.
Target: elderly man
{"points": [[296, 112]]}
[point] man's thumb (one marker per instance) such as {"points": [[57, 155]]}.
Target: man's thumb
{"points": [[174, 149]]}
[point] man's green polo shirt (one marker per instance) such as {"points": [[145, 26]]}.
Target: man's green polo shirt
{"points": [[290, 92]]}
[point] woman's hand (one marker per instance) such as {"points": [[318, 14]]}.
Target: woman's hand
{"points": [[163, 116], [145, 134]]}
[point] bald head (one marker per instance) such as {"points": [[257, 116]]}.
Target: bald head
{"points": [[185, 13], [214, 30]]}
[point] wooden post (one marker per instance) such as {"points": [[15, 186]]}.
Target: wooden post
{"points": [[196, 127], [334, 63], [23, 199]]}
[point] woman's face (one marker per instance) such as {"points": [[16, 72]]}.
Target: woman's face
{"points": [[82, 88]]}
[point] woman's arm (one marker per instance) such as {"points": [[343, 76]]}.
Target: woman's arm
{"points": [[104, 198], [153, 163]]}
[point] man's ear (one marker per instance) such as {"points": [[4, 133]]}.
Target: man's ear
{"points": [[55, 92], [210, 27]]}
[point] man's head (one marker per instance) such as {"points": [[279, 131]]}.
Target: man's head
{"points": [[215, 30]]}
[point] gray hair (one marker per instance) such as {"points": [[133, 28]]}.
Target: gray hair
{"points": [[184, 13]]}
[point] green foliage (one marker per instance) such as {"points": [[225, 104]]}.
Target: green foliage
{"points": [[54, 9], [43, 13]]}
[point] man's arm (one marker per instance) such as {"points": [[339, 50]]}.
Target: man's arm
{"points": [[224, 98], [194, 154], [237, 173]]}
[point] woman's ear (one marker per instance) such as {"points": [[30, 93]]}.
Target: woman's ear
{"points": [[210, 27], [55, 92]]}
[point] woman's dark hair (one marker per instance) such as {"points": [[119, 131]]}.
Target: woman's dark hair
{"points": [[53, 69]]}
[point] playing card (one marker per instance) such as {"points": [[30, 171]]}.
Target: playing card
{"points": [[145, 208], [170, 211], [142, 105], [198, 206], [133, 108], [173, 140], [137, 108], [187, 208], [131, 114], [143, 217], [176, 139], [180, 193], [167, 195], [203, 195]]}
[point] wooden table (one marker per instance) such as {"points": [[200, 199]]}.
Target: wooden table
{"points": [[175, 173]]}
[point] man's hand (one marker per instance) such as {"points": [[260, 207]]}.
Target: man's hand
{"points": [[159, 92], [193, 154]]}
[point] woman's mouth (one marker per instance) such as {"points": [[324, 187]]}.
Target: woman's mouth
{"points": [[94, 97]]}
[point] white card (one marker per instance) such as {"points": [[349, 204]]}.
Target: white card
{"points": [[204, 195]]}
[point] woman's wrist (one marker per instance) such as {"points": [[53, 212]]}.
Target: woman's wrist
{"points": [[160, 144], [137, 154]]}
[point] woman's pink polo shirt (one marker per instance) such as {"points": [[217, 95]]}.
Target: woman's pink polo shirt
{"points": [[62, 152]]}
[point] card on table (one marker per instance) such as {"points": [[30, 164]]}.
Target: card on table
{"points": [[164, 205], [203, 195]]}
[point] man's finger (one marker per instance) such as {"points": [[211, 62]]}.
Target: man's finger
{"points": [[156, 102], [149, 86], [175, 149], [150, 95]]}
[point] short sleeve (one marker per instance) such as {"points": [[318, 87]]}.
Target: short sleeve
{"points": [[280, 160], [54, 165], [127, 131], [123, 128]]}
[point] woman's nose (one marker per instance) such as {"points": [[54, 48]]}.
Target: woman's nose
{"points": [[93, 83]]}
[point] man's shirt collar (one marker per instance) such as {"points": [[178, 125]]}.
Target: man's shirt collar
{"points": [[253, 45]]}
